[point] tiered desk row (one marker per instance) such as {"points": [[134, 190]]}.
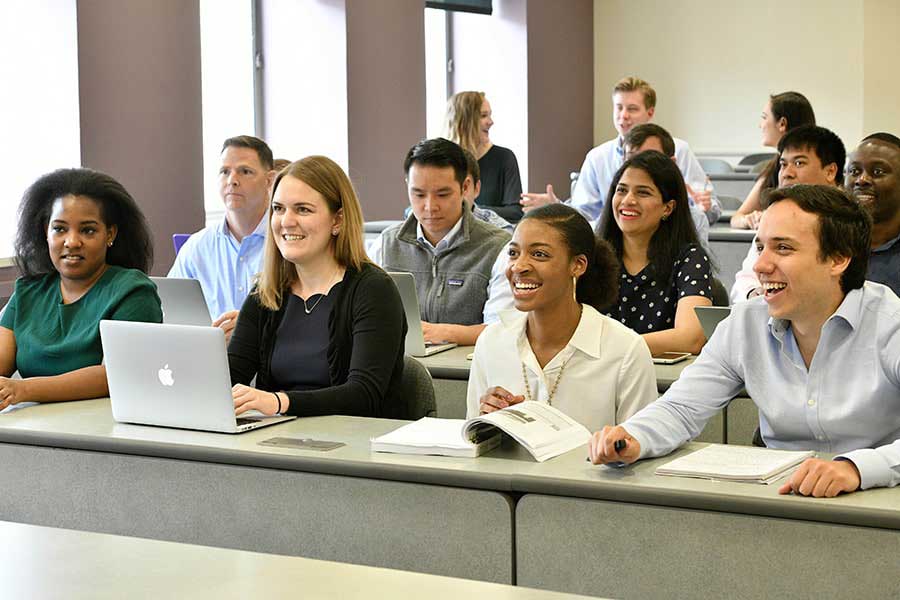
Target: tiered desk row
{"points": [[563, 525]]}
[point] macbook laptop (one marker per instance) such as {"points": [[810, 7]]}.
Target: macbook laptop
{"points": [[172, 376], [182, 301], [710, 316], [415, 341]]}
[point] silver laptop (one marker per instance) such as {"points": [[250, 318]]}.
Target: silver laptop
{"points": [[415, 341], [710, 316], [172, 376], [182, 301]]}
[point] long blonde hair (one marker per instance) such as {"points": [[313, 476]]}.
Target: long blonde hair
{"points": [[463, 120], [324, 176]]}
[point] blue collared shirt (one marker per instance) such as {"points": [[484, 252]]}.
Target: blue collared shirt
{"points": [[224, 266], [848, 401], [601, 164]]}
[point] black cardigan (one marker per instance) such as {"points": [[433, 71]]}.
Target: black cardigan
{"points": [[367, 328]]}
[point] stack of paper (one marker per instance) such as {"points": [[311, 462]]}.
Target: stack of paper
{"points": [[428, 435], [735, 463]]}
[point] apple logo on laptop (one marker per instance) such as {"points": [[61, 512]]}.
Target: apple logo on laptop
{"points": [[165, 376]]}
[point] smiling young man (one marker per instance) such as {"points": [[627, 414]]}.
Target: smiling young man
{"points": [[873, 177], [455, 258], [634, 103], [819, 355], [807, 154], [225, 257]]}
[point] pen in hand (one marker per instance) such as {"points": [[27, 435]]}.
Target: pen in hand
{"points": [[618, 446]]}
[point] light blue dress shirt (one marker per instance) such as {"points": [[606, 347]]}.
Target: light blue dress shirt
{"points": [[847, 402], [601, 164], [225, 267]]}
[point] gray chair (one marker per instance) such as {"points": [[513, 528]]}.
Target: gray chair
{"points": [[730, 202], [716, 166], [719, 293], [417, 390], [754, 159], [759, 167]]}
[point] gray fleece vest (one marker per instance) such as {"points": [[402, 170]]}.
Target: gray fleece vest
{"points": [[452, 285]]}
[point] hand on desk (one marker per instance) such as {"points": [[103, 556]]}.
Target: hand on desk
{"points": [[12, 391], [249, 398], [602, 446], [702, 198], [496, 398], [822, 478], [748, 221], [226, 322]]}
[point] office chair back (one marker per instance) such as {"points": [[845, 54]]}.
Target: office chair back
{"points": [[178, 239], [417, 390], [759, 157], [716, 166], [719, 293]]}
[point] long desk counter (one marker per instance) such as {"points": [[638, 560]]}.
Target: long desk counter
{"points": [[61, 563], [71, 466], [453, 364]]}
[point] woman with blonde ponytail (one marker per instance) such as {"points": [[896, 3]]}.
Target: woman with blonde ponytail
{"points": [[468, 123]]}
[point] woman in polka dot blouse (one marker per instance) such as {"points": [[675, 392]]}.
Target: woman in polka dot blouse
{"points": [[665, 271]]}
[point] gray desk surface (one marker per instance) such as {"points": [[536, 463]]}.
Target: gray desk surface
{"points": [[453, 364], [723, 233], [59, 563], [714, 177], [87, 425]]}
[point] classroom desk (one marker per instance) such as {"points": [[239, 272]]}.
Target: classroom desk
{"points": [[627, 533], [70, 465], [45, 562]]}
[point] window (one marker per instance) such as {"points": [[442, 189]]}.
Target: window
{"points": [[39, 105], [226, 60]]}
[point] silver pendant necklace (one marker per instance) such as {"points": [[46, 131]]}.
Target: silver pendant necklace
{"points": [[306, 308]]}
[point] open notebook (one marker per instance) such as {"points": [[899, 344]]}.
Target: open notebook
{"points": [[735, 463]]}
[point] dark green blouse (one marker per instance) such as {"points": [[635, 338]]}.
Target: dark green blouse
{"points": [[54, 338]]}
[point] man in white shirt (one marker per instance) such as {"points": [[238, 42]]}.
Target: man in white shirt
{"points": [[634, 103], [818, 353]]}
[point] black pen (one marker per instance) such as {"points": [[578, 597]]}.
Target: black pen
{"points": [[618, 446]]}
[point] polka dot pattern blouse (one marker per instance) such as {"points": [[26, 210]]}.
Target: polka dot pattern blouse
{"points": [[646, 305]]}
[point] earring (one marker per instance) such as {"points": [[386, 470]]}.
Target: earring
{"points": [[109, 244], [575, 287], [664, 217], [334, 232]]}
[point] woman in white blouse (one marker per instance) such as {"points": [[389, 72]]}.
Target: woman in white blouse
{"points": [[556, 347]]}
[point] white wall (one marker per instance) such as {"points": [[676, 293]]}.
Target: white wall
{"points": [[491, 55], [714, 63]]}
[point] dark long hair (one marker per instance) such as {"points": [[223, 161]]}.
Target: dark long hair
{"points": [[133, 248], [674, 233], [599, 285]]}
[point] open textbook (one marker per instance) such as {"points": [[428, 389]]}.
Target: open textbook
{"points": [[543, 430], [735, 463]]}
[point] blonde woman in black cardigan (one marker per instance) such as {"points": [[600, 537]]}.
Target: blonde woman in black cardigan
{"points": [[323, 329]]}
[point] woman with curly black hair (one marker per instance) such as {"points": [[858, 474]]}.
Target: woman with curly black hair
{"points": [[557, 347], [83, 250]]}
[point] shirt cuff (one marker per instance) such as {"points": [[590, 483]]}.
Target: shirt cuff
{"points": [[873, 471]]}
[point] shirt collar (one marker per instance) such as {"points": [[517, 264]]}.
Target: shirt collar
{"points": [[587, 336], [887, 245], [445, 241], [849, 310], [259, 231]]}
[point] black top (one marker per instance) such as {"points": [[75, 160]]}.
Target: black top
{"points": [[501, 187], [647, 305], [298, 358], [366, 333]]}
